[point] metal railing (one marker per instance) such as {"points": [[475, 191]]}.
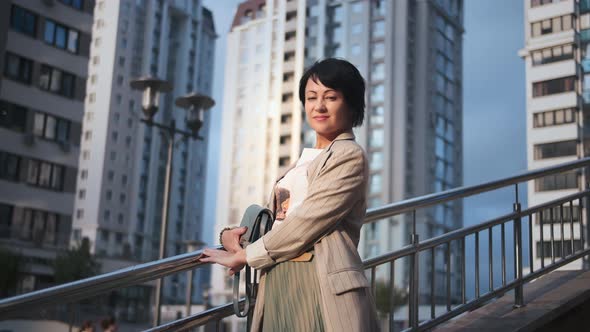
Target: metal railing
{"points": [[161, 268]]}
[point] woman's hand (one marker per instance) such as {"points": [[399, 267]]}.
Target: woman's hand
{"points": [[230, 239], [234, 260]]}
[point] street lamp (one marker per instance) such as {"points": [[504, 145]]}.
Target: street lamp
{"points": [[191, 246], [195, 104]]}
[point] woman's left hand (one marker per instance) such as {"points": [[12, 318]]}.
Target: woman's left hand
{"points": [[235, 261]]}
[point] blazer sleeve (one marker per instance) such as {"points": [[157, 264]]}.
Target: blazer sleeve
{"points": [[331, 196]]}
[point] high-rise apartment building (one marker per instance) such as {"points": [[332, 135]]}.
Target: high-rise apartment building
{"points": [[44, 53], [410, 53], [120, 187], [557, 35]]}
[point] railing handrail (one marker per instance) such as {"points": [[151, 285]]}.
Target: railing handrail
{"points": [[411, 204], [88, 287], [156, 269], [465, 231]]}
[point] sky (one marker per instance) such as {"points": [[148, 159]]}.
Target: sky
{"points": [[494, 131]]}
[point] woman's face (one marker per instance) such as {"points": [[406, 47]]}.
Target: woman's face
{"points": [[327, 112]]}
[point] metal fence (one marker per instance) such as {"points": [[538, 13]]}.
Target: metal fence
{"points": [[560, 251]]}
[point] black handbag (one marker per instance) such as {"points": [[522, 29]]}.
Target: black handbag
{"points": [[259, 221]]}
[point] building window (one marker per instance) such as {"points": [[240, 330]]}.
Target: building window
{"points": [[377, 50], [77, 4], [559, 85], [107, 215], [376, 160], [12, 116], [555, 117], [375, 184], [357, 7], [283, 161], [378, 8], [376, 117], [556, 149], [83, 174], [535, 3], [551, 25], [79, 213], [567, 180], [45, 175], [61, 36], [557, 249], [51, 127], [376, 138], [378, 71], [9, 166], [378, 29], [23, 21], [556, 217], [18, 68], [81, 193], [57, 81], [553, 54], [377, 93], [109, 195]]}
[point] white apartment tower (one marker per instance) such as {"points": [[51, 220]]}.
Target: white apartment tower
{"points": [[410, 55], [120, 191], [556, 40], [262, 116]]}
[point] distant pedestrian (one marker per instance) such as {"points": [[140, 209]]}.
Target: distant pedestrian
{"points": [[87, 326], [109, 324]]}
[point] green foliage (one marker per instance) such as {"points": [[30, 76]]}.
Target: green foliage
{"points": [[11, 264], [383, 297], [75, 264]]}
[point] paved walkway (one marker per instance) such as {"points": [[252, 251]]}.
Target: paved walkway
{"points": [[545, 300]]}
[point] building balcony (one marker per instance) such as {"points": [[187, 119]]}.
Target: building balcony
{"points": [[291, 6], [290, 45], [289, 66], [284, 150], [291, 25]]}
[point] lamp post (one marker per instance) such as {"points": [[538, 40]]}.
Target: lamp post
{"points": [[191, 246], [195, 104]]}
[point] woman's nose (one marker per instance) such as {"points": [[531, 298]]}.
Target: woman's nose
{"points": [[321, 105]]}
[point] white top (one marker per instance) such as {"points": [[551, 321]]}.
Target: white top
{"points": [[291, 190]]}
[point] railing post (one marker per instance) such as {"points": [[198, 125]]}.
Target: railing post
{"points": [[414, 280], [518, 291]]}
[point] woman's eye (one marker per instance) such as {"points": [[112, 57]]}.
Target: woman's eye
{"points": [[331, 98], [310, 98]]}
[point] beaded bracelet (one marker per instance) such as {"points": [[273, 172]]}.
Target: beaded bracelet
{"points": [[221, 233]]}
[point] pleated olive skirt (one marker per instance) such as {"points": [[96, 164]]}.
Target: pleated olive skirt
{"points": [[292, 298]]}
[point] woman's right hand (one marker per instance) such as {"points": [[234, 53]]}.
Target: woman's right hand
{"points": [[230, 239]]}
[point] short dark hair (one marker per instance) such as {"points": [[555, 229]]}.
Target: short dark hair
{"points": [[342, 76]]}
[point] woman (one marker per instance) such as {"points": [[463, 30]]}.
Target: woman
{"points": [[312, 276]]}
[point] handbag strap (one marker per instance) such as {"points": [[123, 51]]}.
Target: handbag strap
{"points": [[259, 221]]}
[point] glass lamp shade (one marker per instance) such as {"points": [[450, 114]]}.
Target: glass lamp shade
{"points": [[196, 104], [194, 119], [151, 87], [150, 102]]}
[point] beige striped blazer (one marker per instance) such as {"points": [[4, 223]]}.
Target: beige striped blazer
{"points": [[332, 213]]}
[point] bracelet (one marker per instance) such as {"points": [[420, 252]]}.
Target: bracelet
{"points": [[221, 234]]}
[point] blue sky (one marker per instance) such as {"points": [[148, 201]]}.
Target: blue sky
{"points": [[494, 132]]}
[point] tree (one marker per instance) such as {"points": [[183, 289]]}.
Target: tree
{"points": [[11, 264], [75, 264], [383, 297]]}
